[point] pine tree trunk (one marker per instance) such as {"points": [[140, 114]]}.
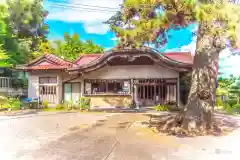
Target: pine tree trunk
{"points": [[198, 112]]}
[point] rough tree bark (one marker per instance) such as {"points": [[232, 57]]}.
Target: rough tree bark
{"points": [[198, 112]]}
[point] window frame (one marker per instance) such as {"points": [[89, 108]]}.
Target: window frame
{"points": [[48, 82], [91, 81]]}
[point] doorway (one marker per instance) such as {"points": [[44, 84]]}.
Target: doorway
{"points": [[48, 93], [151, 94], [72, 92]]}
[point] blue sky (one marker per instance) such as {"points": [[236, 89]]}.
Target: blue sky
{"points": [[76, 16]]}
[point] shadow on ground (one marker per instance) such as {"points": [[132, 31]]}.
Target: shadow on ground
{"points": [[21, 112], [223, 124], [122, 110]]}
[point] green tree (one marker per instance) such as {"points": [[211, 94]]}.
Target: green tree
{"points": [[71, 47], [26, 19], [3, 58], [217, 23], [21, 29], [235, 90], [226, 82]]}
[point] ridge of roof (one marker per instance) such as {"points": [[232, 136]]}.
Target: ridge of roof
{"points": [[58, 59], [52, 58], [88, 55], [167, 54]]}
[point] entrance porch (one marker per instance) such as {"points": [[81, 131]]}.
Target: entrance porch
{"points": [[149, 92]]}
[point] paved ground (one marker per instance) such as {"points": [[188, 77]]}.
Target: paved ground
{"points": [[117, 137]]}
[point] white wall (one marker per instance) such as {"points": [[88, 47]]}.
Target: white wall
{"points": [[33, 81], [133, 71]]}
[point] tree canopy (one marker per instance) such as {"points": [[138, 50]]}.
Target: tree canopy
{"points": [[143, 21], [21, 29], [69, 48]]}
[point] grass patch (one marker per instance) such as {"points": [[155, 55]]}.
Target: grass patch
{"points": [[53, 109], [231, 110]]}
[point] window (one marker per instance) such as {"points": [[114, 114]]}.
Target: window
{"points": [[47, 80], [107, 86], [47, 90], [99, 87]]}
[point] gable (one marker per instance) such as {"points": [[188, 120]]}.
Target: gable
{"points": [[50, 59], [88, 58], [43, 61], [47, 62]]}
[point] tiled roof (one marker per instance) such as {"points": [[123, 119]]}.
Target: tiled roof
{"points": [[44, 67], [87, 58], [53, 62], [58, 60], [59, 63], [52, 58], [184, 57]]}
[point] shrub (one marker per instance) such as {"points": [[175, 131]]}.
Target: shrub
{"points": [[84, 103], [231, 102], [236, 106], [219, 101], [236, 109], [13, 103], [127, 102], [160, 108], [60, 106], [68, 105], [45, 104], [33, 105], [3, 100]]}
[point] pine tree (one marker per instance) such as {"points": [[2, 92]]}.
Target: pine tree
{"points": [[217, 22]]}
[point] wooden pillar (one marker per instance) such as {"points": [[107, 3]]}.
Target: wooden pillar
{"points": [[136, 97], [59, 89], [132, 89], [178, 92], [82, 87], [154, 95], [168, 93], [135, 94]]}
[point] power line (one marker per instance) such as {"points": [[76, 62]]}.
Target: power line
{"points": [[97, 7], [84, 5], [82, 8]]}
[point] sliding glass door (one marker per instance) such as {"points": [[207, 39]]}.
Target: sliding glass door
{"points": [[67, 92], [72, 92]]}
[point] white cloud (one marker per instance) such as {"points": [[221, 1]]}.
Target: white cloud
{"points": [[191, 47], [96, 28], [114, 38], [173, 50], [2, 1], [92, 19]]}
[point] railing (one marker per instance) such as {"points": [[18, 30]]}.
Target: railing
{"points": [[5, 82], [7, 88]]}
